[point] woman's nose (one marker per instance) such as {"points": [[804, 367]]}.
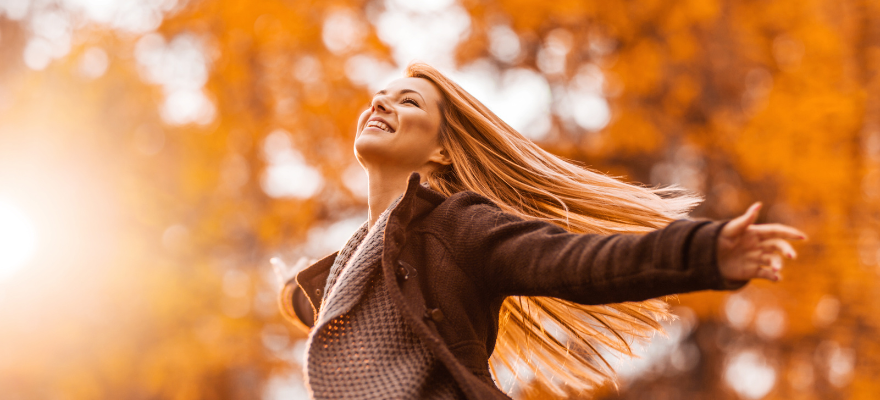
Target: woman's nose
{"points": [[379, 104]]}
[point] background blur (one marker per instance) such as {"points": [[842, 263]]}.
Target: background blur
{"points": [[155, 154]]}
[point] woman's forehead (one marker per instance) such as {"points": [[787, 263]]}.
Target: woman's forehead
{"points": [[422, 86]]}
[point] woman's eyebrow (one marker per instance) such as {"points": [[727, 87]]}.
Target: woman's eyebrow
{"points": [[402, 91]]}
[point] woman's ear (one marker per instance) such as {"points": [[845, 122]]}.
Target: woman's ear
{"points": [[440, 156]]}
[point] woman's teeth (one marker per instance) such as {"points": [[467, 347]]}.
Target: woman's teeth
{"points": [[380, 125]]}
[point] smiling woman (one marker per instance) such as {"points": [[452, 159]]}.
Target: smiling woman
{"points": [[18, 239], [483, 251]]}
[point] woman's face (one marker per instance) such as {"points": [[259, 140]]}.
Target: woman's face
{"points": [[400, 129]]}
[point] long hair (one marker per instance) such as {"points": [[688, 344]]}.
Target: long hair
{"points": [[561, 342]]}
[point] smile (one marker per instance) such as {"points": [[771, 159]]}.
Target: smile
{"points": [[379, 125]]}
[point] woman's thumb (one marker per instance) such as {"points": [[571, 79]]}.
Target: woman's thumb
{"points": [[739, 224]]}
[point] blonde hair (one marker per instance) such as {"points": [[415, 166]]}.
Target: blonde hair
{"points": [[493, 159]]}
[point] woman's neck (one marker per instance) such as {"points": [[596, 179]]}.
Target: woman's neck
{"points": [[384, 187]]}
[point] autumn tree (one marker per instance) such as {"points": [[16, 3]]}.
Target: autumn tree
{"points": [[167, 150]]}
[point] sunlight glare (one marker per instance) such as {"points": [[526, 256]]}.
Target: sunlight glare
{"points": [[18, 239]]}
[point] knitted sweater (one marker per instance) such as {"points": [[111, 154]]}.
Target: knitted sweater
{"points": [[361, 347]]}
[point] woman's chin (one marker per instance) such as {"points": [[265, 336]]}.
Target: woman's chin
{"points": [[370, 147], [373, 135]]}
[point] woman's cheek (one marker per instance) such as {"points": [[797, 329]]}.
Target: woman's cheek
{"points": [[362, 120], [425, 129]]}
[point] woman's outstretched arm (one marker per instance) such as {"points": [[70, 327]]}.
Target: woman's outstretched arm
{"points": [[508, 255]]}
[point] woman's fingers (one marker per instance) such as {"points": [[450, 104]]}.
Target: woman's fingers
{"points": [[777, 231], [772, 260], [280, 269], [285, 272], [738, 225], [766, 273], [301, 264], [778, 246], [762, 259]]}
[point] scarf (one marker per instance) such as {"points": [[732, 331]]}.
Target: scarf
{"points": [[361, 347]]}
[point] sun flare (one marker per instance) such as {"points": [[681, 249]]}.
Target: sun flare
{"points": [[18, 239]]}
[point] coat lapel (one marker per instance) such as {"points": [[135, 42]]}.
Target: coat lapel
{"points": [[416, 201], [312, 280]]}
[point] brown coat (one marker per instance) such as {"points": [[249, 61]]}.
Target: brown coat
{"points": [[450, 262]]}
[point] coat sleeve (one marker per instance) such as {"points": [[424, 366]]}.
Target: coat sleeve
{"points": [[511, 256]]}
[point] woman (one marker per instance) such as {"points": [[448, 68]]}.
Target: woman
{"points": [[477, 240]]}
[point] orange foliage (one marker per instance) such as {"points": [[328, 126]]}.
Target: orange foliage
{"points": [[152, 277]]}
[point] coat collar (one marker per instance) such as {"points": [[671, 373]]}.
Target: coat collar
{"points": [[417, 201]]}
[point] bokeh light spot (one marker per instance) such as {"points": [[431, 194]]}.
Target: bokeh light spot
{"points": [[426, 31], [93, 63], [287, 174], [343, 31], [826, 311], [749, 374], [770, 323], [504, 43], [18, 239], [739, 310]]}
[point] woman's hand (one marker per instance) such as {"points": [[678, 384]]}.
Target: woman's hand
{"points": [[747, 251], [285, 273]]}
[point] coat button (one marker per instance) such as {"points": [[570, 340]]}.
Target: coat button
{"points": [[319, 292], [397, 239], [434, 314], [402, 272]]}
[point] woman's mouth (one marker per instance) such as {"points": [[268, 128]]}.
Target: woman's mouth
{"points": [[379, 125]]}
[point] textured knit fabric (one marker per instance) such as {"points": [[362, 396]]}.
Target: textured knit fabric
{"points": [[362, 348], [464, 256]]}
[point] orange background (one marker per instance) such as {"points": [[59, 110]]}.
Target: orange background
{"points": [[155, 224]]}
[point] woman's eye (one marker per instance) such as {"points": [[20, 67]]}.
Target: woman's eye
{"points": [[413, 102]]}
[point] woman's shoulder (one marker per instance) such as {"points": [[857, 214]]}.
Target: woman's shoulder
{"points": [[466, 201], [434, 206], [466, 213]]}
